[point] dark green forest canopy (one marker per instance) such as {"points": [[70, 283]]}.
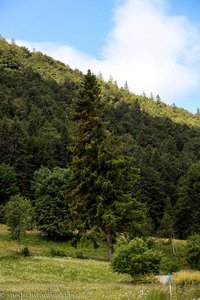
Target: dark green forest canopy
{"points": [[37, 94]]}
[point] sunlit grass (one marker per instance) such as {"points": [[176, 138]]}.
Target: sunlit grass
{"points": [[187, 278], [88, 279], [43, 275], [39, 246]]}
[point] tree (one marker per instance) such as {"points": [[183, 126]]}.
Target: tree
{"points": [[47, 143], [8, 182], [158, 99], [18, 215], [193, 251], [102, 189], [51, 207], [8, 186], [166, 228], [15, 148], [126, 88], [187, 208], [150, 190], [136, 258]]}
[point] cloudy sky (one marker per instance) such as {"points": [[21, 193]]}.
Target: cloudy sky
{"points": [[154, 45]]}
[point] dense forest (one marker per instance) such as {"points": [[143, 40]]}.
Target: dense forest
{"points": [[94, 157]]}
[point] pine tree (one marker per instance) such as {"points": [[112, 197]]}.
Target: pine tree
{"points": [[102, 188]]}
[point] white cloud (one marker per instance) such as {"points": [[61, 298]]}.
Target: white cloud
{"points": [[153, 51], [69, 55]]}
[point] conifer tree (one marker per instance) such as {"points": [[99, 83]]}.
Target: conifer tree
{"points": [[187, 208], [167, 223], [102, 188]]}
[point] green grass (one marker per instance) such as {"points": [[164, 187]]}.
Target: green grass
{"points": [[88, 279], [39, 246], [42, 276], [172, 262]]}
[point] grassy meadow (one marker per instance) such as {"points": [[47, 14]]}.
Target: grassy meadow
{"points": [[43, 275]]}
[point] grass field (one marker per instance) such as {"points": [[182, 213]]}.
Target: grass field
{"points": [[39, 246], [42, 276]]}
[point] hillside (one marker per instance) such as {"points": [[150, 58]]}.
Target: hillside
{"points": [[36, 99]]}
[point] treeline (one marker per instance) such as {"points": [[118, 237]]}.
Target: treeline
{"points": [[42, 105]]}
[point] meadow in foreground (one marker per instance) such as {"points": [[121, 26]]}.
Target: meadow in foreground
{"points": [[43, 276], [65, 278]]}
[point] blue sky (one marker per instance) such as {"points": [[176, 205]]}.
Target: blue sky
{"points": [[154, 45], [79, 23]]}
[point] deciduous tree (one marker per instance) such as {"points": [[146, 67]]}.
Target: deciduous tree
{"points": [[18, 215]]}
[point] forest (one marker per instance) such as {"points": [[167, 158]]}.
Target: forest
{"points": [[95, 160]]}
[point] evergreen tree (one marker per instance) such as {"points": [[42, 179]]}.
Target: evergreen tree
{"points": [[8, 186], [167, 222], [126, 88], [8, 182], [102, 187], [187, 207]]}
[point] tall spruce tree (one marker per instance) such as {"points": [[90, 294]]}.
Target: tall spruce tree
{"points": [[102, 189]]}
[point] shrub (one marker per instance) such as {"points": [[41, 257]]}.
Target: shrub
{"points": [[25, 252], [135, 258], [193, 251], [169, 265]]}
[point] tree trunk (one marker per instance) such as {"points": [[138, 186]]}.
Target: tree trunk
{"points": [[174, 247], [18, 248], [110, 253]]}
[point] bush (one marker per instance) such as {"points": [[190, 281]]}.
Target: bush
{"points": [[169, 265], [25, 252], [193, 251], [136, 258]]}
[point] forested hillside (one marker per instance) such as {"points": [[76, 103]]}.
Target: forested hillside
{"points": [[37, 124]]}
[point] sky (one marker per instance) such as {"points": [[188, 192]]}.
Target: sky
{"points": [[153, 45]]}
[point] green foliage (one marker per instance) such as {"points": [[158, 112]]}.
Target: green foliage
{"points": [[35, 91], [187, 207], [135, 258], [169, 264], [193, 251], [25, 252], [15, 149], [8, 186], [160, 140], [166, 228], [18, 215], [8, 182], [102, 188], [51, 207]]}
